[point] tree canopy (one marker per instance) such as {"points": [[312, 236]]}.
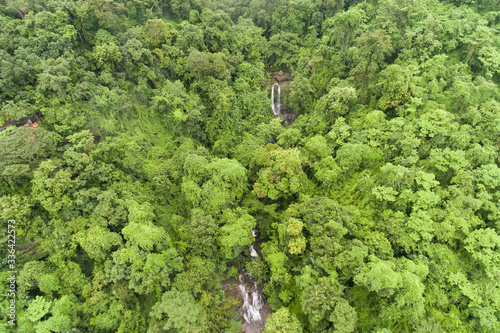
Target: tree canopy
{"points": [[155, 153]]}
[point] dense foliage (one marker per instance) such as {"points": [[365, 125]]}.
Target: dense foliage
{"points": [[158, 152]]}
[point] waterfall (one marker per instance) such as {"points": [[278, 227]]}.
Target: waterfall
{"points": [[257, 301], [253, 252], [276, 106], [251, 310]]}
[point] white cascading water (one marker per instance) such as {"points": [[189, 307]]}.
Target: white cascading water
{"points": [[276, 107], [255, 231], [253, 252], [251, 311], [257, 301], [252, 299]]}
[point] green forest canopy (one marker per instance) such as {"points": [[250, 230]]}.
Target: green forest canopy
{"points": [[158, 151]]}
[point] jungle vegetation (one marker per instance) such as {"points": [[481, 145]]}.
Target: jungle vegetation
{"points": [[158, 151]]}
